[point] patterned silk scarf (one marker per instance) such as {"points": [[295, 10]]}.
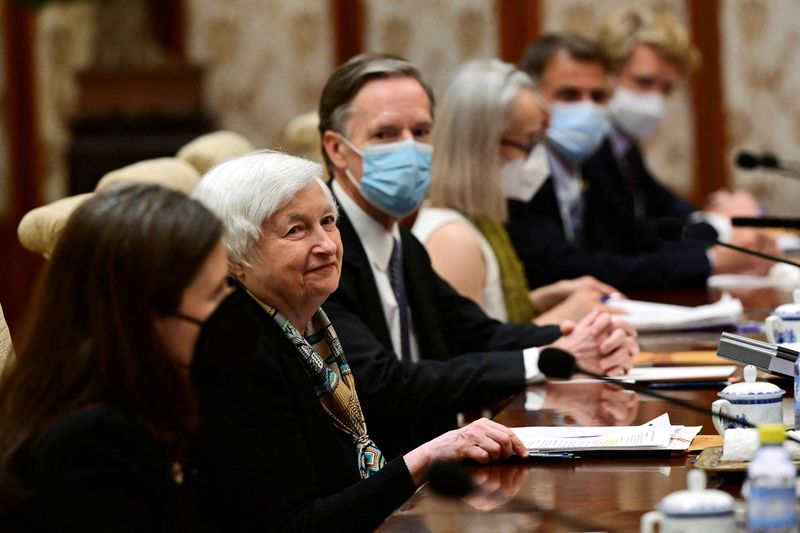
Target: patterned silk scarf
{"points": [[519, 308], [323, 359]]}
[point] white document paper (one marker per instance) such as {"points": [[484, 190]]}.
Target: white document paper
{"points": [[677, 373], [663, 373], [651, 316], [781, 276], [657, 434]]}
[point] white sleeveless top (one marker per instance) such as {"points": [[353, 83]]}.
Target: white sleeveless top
{"points": [[431, 219]]}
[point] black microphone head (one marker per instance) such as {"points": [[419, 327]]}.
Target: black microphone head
{"points": [[769, 160], [747, 160], [558, 364], [450, 479], [670, 229]]}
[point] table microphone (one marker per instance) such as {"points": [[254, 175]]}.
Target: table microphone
{"points": [[560, 364], [671, 229], [749, 161]]}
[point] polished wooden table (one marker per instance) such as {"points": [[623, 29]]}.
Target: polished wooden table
{"points": [[591, 493]]}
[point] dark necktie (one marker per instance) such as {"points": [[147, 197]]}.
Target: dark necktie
{"points": [[399, 290], [628, 163]]}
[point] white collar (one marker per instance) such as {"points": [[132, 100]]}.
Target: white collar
{"points": [[621, 143], [377, 242]]}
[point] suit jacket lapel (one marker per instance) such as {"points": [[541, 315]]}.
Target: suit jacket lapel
{"points": [[358, 279]]}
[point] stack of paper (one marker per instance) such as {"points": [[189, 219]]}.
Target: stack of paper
{"points": [[649, 316], [658, 434], [781, 276]]}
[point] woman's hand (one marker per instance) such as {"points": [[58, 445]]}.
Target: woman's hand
{"points": [[482, 441], [547, 297], [574, 307]]}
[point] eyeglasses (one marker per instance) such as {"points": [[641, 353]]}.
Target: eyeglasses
{"points": [[526, 148], [193, 320]]}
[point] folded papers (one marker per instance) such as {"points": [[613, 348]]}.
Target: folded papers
{"points": [[655, 435], [650, 316]]}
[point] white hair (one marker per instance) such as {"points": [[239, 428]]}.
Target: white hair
{"points": [[472, 116], [244, 192]]}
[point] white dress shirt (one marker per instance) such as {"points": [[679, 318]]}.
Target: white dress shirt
{"points": [[378, 245]]}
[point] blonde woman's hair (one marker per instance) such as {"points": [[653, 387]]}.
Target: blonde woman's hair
{"points": [[472, 115], [625, 28]]}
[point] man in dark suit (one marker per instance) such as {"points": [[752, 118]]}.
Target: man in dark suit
{"points": [[649, 55], [584, 220], [375, 122]]}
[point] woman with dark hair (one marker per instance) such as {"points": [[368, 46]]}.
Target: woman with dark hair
{"points": [[95, 410]]}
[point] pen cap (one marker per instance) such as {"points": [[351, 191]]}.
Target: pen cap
{"points": [[697, 500]]}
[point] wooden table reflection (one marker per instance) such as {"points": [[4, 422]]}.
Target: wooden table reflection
{"points": [[591, 493]]}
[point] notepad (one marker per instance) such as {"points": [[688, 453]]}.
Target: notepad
{"points": [[656, 435], [651, 316]]}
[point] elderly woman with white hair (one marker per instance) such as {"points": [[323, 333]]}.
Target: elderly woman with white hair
{"points": [[283, 442], [486, 139]]}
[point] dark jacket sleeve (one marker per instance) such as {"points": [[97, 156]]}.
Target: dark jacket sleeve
{"points": [[622, 258], [100, 472], [391, 389], [268, 455]]}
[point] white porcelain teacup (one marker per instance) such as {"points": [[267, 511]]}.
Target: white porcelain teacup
{"points": [[696, 510], [750, 401], [783, 325]]}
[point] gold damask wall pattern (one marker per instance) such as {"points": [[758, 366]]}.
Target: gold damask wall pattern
{"points": [[761, 77], [266, 61], [63, 48], [670, 153], [437, 36]]}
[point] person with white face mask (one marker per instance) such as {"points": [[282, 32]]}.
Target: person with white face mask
{"points": [[489, 146], [650, 53]]}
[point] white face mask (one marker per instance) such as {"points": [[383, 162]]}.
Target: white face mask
{"points": [[637, 114], [523, 177]]}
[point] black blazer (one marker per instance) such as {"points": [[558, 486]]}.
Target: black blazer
{"points": [[267, 454], [101, 470], [467, 360], [616, 248], [658, 200]]}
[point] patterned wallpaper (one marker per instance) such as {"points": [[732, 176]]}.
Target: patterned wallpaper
{"points": [[670, 152], [437, 36], [5, 182], [266, 61], [762, 99], [64, 37]]}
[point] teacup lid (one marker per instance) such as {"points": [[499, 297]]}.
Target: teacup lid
{"points": [[751, 387], [791, 309], [697, 500]]}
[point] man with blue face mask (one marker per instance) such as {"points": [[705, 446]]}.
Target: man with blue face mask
{"points": [[582, 220], [419, 352]]}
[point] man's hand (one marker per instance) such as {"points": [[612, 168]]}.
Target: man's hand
{"points": [[727, 261], [599, 344]]}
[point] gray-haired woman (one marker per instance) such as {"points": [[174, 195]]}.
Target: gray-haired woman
{"points": [[283, 441], [486, 139]]}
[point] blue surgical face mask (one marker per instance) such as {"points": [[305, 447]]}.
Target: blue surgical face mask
{"points": [[577, 129], [395, 176]]}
